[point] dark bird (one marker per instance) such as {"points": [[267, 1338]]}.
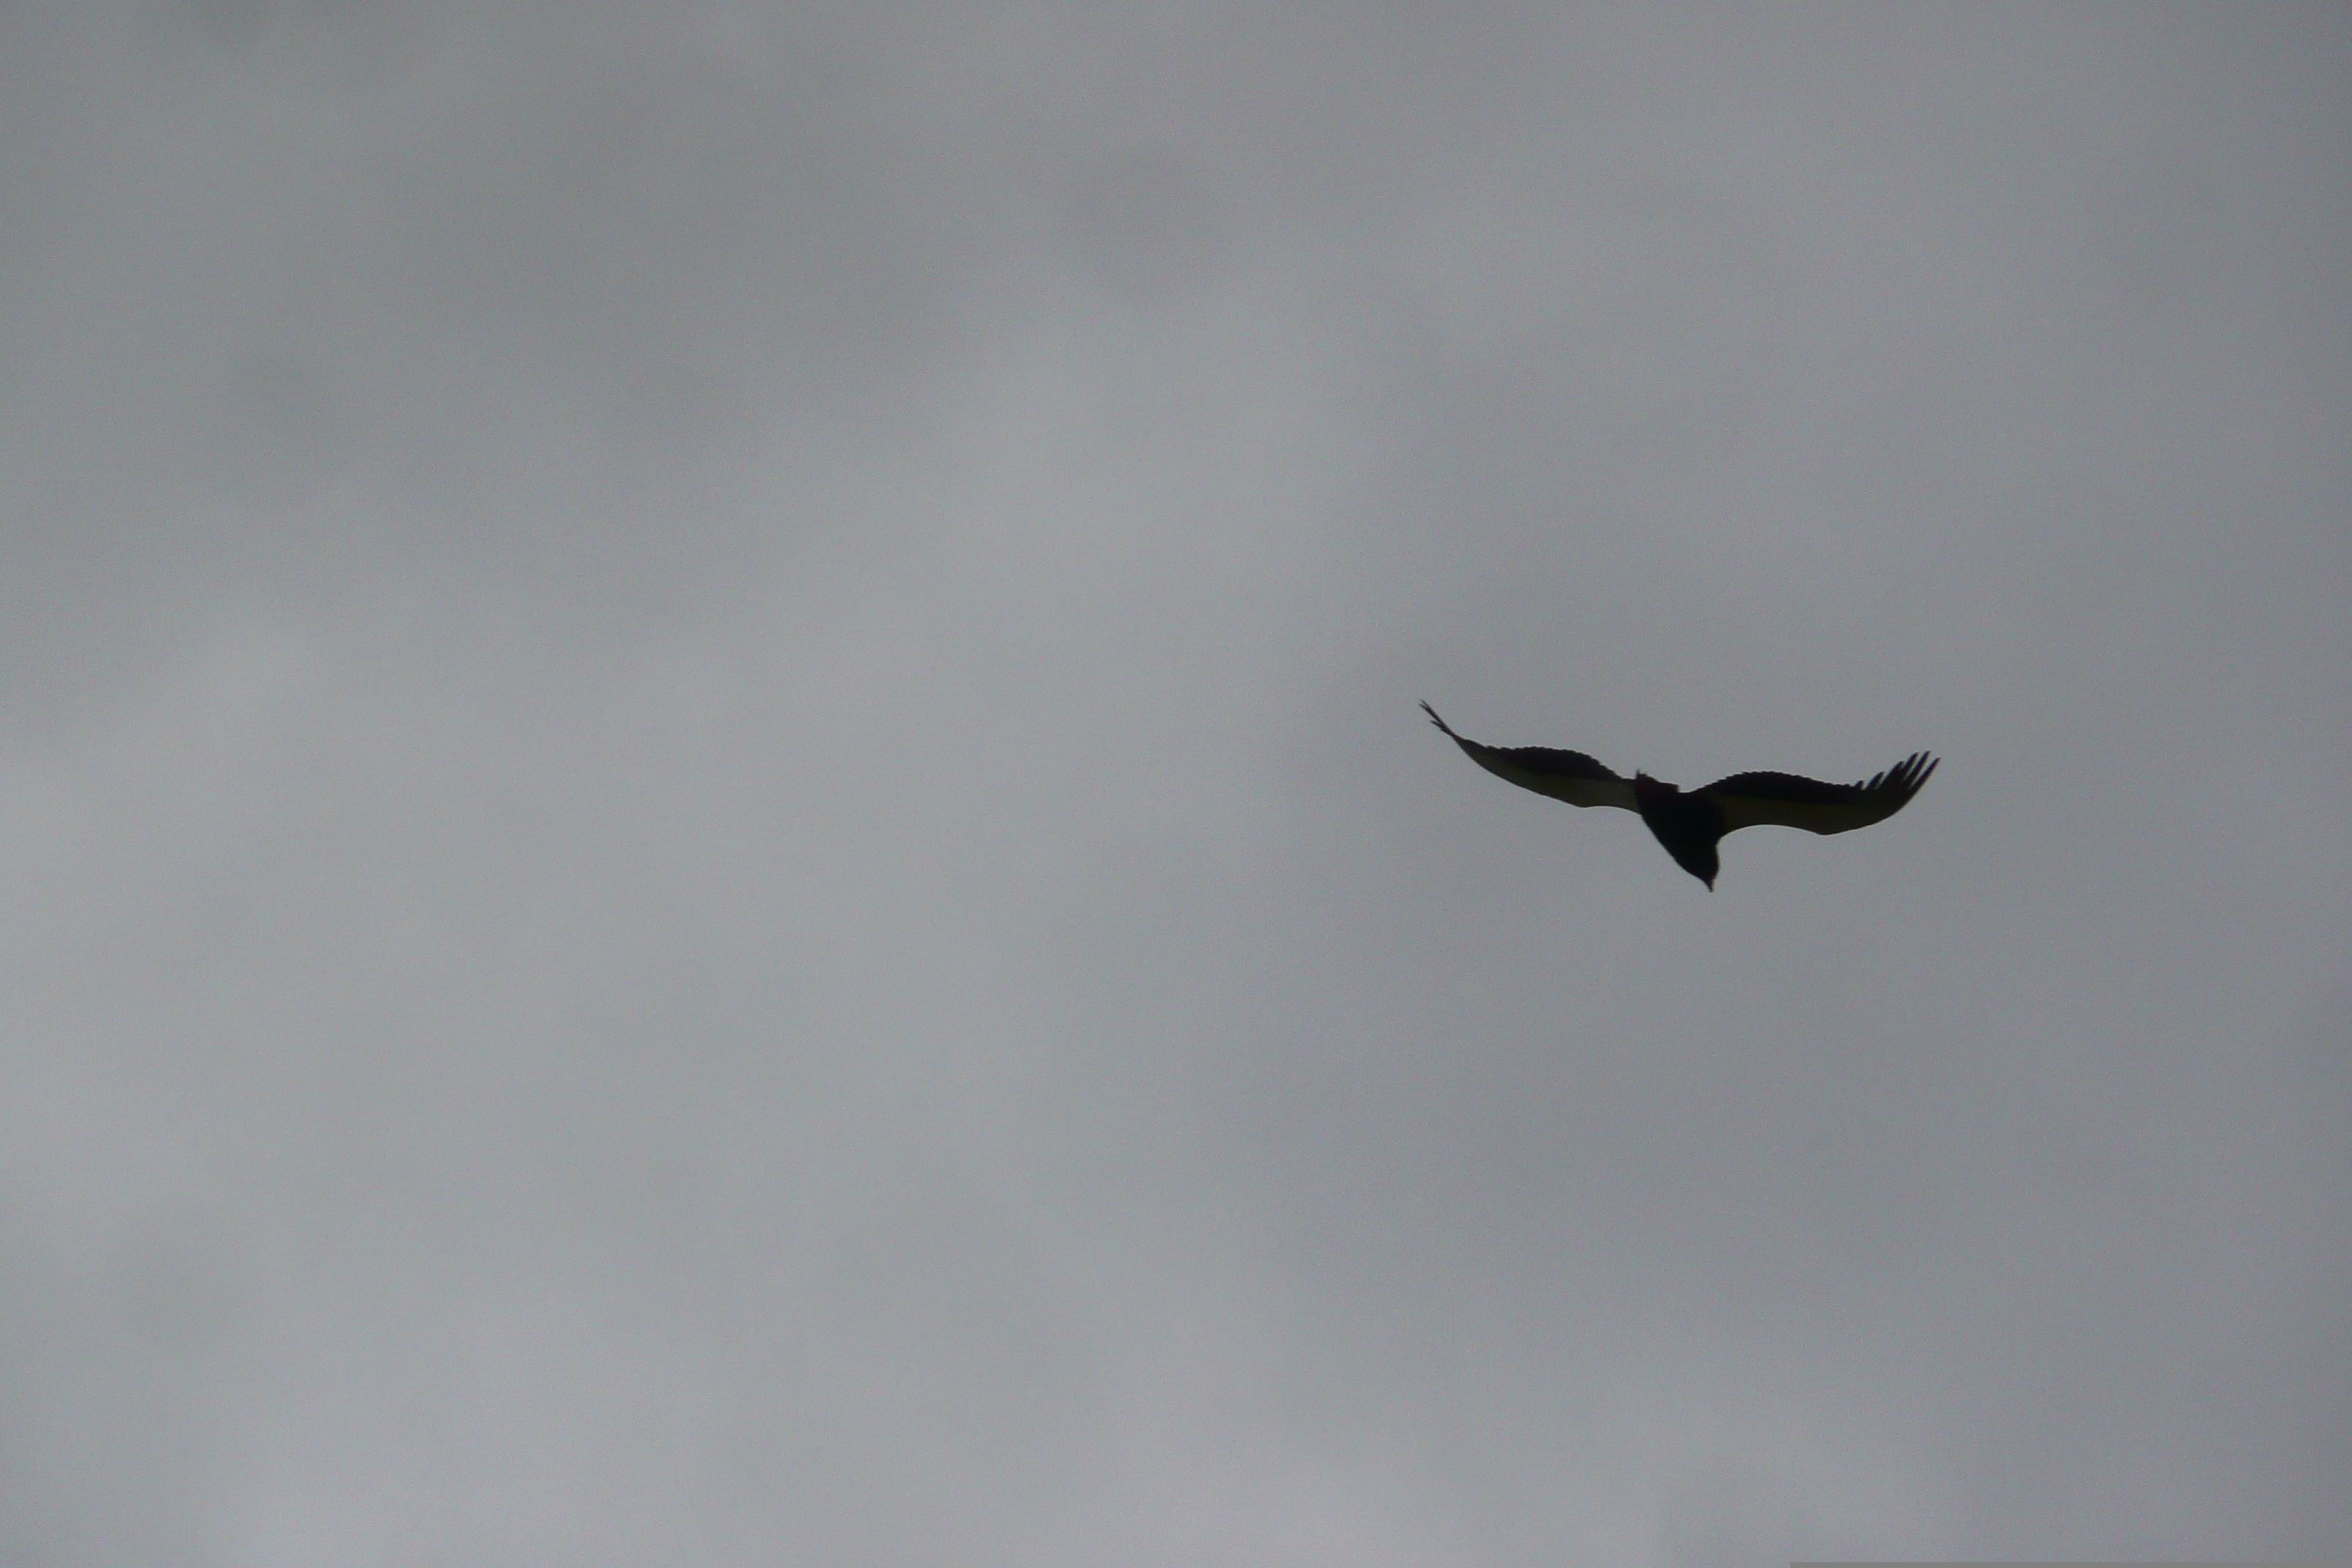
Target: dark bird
{"points": [[1691, 823]]}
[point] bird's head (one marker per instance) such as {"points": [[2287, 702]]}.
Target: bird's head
{"points": [[1647, 789], [1699, 857]]}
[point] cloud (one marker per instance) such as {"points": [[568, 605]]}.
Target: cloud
{"points": [[719, 848]]}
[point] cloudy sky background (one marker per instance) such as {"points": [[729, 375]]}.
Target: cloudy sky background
{"points": [[716, 849]]}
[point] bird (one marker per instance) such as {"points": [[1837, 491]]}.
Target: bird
{"points": [[1691, 823]]}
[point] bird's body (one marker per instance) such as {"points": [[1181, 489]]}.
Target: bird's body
{"points": [[1691, 823]]}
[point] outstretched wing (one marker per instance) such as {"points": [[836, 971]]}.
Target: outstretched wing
{"points": [[1571, 776], [1784, 800]]}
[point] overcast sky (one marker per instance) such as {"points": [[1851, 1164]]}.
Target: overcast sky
{"points": [[716, 849]]}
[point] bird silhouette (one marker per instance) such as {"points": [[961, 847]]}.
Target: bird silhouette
{"points": [[1691, 823]]}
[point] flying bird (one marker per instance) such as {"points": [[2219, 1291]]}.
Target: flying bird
{"points": [[1691, 823]]}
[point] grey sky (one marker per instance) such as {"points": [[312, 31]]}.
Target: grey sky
{"points": [[717, 849]]}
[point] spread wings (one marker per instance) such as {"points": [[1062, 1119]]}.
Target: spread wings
{"points": [[1571, 776], [1756, 799]]}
